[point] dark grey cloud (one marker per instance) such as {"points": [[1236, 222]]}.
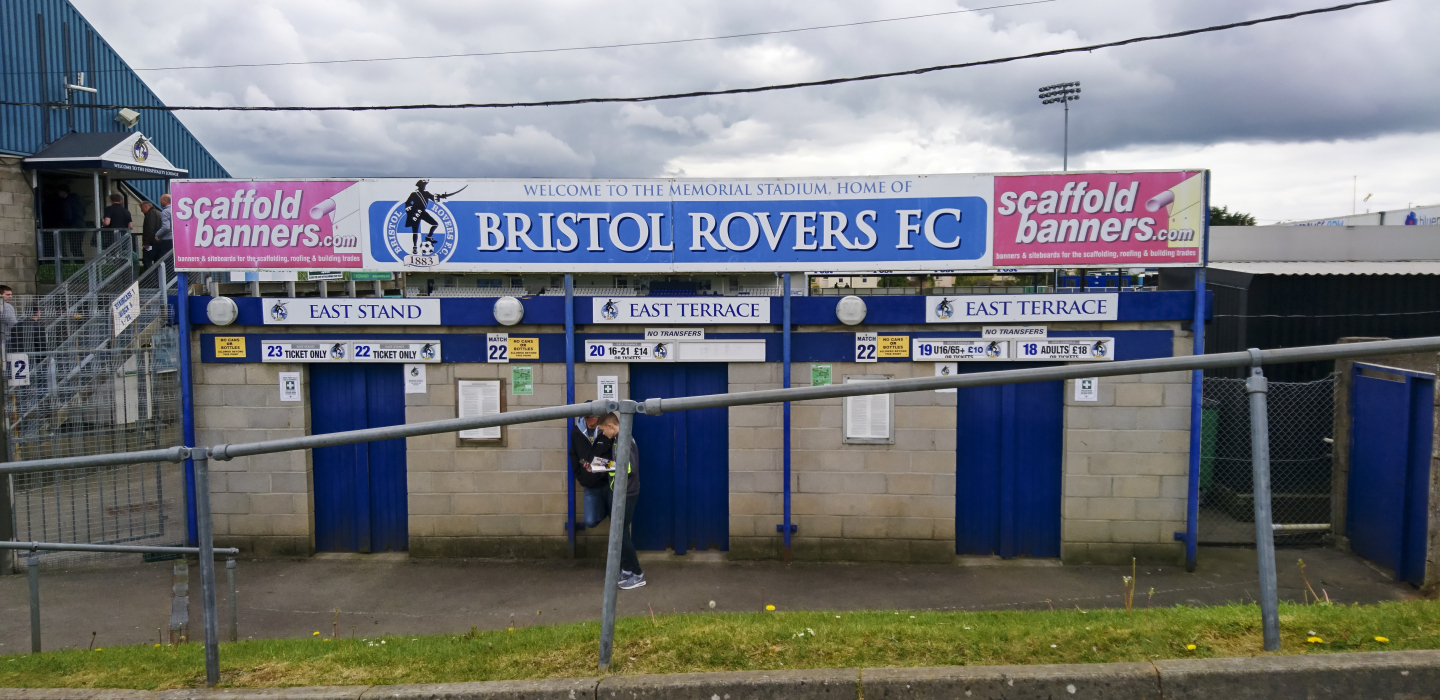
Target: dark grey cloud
{"points": [[1361, 74]]}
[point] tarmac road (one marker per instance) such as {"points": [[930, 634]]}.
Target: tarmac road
{"points": [[392, 594]]}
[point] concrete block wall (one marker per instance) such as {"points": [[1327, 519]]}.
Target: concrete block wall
{"points": [[262, 504], [1127, 460], [17, 227], [505, 499], [853, 502]]}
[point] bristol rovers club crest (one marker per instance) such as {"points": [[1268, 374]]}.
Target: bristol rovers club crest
{"points": [[420, 231]]}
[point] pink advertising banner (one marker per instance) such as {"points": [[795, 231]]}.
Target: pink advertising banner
{"points": [[1088, 219], [245, 225]]}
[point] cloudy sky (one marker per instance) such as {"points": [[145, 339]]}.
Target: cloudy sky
{"points": [[1286, 114]]}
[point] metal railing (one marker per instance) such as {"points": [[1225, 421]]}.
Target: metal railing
{"points": [[1257, 388]]}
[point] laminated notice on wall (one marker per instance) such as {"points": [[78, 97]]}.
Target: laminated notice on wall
{"points": [[946, 369], [479, 398], [867, 417], [894, 346], [524, 348], [414, 379], [289, 386], [522, 381]]}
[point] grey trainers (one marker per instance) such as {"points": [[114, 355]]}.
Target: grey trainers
{"points": [[632, 581]]}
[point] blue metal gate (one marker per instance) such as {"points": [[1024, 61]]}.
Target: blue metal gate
{"points": [[685, 460], [1392, 423], [360, 490], [1008, 469]]}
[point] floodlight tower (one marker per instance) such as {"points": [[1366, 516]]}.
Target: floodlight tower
{"points": [[1064, 93]]}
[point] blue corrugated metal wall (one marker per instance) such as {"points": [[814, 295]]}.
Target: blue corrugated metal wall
{"points": [[23, 129]]}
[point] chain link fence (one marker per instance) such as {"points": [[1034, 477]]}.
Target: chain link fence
{"points": [[1302, 416], [88, 388]]}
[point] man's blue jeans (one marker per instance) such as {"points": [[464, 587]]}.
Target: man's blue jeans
{"points": [[597, 505]]}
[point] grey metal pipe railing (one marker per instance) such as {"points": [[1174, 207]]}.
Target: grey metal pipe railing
{"points": [[1252, 357], [109, 548], [226, 452], [1258, 388]]}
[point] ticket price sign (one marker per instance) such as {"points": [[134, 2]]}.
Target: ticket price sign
{"points": [[1067, 350], [365, 351], [867, 346], [497, 347], [968, 349], [628, 351], [318, 351]]}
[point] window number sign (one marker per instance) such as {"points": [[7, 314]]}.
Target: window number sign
{"points": [[866, 347], [17, 368], [497, 347]]}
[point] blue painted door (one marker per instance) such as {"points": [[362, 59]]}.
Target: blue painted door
{"points": [[1008, 475], [360, 490], [1392, 422], [684, 460]]}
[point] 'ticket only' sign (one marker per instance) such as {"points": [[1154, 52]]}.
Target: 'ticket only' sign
{"points": [[916, 222]]}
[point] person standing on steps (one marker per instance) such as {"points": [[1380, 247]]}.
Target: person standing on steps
{"points": [[630, 574], [587, 441]]}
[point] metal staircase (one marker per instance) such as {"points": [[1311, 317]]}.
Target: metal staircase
{"points": [[93, 390]]}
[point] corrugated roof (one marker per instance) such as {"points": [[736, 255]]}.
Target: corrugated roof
{"points": [[1331, 268]]}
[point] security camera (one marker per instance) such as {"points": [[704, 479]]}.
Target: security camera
{"points": [[128, 118]]}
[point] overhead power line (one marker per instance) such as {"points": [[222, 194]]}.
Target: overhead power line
{"points": [[602, 46], [736, 91]]}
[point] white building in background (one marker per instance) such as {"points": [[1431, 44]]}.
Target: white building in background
{"points": [[1414, 216]]}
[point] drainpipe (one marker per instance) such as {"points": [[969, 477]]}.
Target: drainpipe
{"points": [[569, 399], [786, 527], [1197, 385], [187, 400]]}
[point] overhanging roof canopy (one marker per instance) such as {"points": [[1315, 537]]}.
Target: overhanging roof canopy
{"points": [[121, 155]]}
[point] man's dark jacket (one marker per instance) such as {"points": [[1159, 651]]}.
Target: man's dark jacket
{"points": [[582, 451]]}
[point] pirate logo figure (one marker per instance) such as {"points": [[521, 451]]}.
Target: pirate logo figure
{"points": [[427, 352], [337, 351], [660, 351], [278, 312], [993, 349], [610, 311], [416, 213], [944, 309], [1099, 349]]}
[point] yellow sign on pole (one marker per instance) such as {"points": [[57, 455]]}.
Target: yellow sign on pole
{"points": [[894, 346], [524, 348], [230, 347]]}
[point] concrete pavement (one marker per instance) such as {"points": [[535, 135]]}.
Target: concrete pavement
{"points": [[392, 594]]}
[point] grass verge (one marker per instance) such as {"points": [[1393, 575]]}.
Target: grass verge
{"points": [[739, 642]]}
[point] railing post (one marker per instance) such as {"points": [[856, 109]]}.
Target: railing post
{"points": [[1258, 387], [569, 398], [33, 564], [201, 457], [234, 616], [617, 533]]}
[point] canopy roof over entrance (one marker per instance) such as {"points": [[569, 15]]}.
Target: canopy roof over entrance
{"points": [[120, 155]]}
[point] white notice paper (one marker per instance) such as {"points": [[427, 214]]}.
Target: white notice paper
{"points": [[867, 417], [289, 386], [1087, 389], [946, 369], [414, 379], [479, 398], [607, 388]]}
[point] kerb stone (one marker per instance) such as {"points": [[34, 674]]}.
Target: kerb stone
{"points": [[1130, 681]]}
